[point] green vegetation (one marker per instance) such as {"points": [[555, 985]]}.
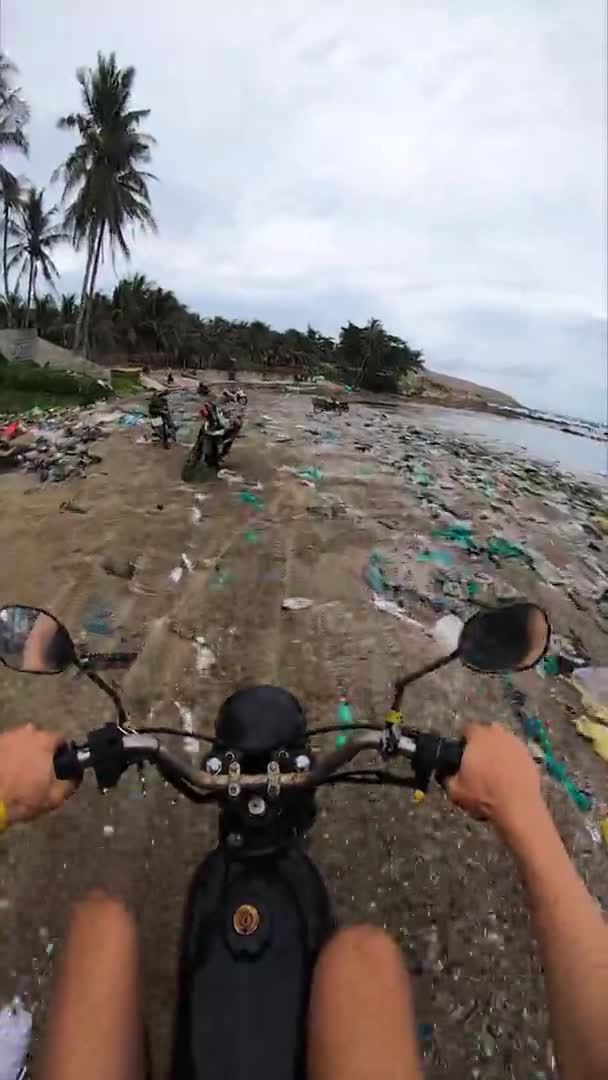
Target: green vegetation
{"points": [[23, 386]]}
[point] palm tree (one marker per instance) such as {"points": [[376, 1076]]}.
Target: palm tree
{"points": [[105, 189], [35, 235], [14, 115]]}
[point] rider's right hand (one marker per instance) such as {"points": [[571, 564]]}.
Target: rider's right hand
{"points": [[28, 786], [497, 780]]}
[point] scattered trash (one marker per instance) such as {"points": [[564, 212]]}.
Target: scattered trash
{"points": [[108, 830], [389, 607], [447, 631], [251, 498], [251, 536], [459, 533], [195, 515], [96, 619], [186, 562], [190, 745], [296, 603], [310, 473], [375, 573], [500, 548], [120, 568], [435, 555], [204, 657], [345, 719], [15, 1036], [592, 682], [73, 508], [230, 477], [176, 574]]}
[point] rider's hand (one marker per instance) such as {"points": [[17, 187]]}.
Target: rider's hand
{"points": [[28, 786], [497, 779]]}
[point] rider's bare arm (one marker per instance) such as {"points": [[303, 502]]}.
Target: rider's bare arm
{"points": [[499, 781], [28, 786]]}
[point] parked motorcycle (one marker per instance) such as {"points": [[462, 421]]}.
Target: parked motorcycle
{"points": [[213, 442], [235, 397], [163, 427], [258, 912]]}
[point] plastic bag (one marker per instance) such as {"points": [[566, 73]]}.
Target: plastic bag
{"points": [[15, 1035]]}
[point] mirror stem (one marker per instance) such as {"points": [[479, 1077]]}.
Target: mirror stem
{"points": [[401, 684], [109, 690]]}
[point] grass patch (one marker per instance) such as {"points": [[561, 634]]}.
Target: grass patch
{"points": [[125, 383], [26, 386]]}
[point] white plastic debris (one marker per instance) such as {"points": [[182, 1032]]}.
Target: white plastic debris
{"points": [[231, 477], [391, 608], [199, 498], [187, 563], [191, 746], [15, 1035], [296, 603], [447, 631], [176, 574], [204, 657], [108, 830], [195, 515]]}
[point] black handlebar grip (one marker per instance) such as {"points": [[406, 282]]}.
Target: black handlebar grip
{"points": [[66, 763], [449, 758]]}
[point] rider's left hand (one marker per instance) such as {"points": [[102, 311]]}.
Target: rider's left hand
{"points": [[28, 785]]}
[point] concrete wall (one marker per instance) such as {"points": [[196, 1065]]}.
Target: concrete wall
{"points": [[25, 346]]}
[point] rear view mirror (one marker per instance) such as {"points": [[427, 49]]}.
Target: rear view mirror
{"points": [[512, 637], [31, 640]]}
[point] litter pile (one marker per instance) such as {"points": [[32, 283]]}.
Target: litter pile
{"points": [[55, 444]]}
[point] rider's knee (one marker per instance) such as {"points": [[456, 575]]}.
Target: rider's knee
{"points": [[104, 916], [364, 943]]}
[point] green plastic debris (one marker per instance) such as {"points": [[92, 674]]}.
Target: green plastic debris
{"points": [[504, 549], [348, 389], [252, 537], [310, 473], [374, 574], [473, 588], [550, 665], [345, 719], [459, 533], [422, 476], [435, 555], [251, 498]]}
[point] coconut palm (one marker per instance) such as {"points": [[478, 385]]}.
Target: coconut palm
{"points": [[35, 234], [105, 188], [14, 115]]}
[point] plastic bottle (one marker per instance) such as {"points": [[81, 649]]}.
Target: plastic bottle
{"points": [[15, 1035], [593, 683], [345, 719]]}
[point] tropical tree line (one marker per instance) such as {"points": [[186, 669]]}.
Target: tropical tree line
{"points": [[140, 323], [105, 197]]}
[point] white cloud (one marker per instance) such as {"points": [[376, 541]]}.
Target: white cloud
{"points": [[441, 165]]}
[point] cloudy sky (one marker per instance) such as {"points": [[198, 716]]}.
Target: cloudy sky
{"points": [[440, 164]]}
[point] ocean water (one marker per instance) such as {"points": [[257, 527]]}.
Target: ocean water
{"points": [[577, 454]]}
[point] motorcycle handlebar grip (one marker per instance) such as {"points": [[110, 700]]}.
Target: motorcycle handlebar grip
{"points": [[449, 758], [66, 763]]}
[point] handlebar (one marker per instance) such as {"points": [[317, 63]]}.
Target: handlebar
{"points": [[110, 751]]}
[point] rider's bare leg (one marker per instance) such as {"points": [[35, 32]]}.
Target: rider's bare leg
{"points": [[361, 1020], [95, 1027]]}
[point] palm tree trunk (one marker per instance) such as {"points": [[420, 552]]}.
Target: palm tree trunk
{"points": [[30, 282], [7, 297], [83, 296], [94, 269]]}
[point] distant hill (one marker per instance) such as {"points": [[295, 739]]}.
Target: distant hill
{"points": [[431, 384]]}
